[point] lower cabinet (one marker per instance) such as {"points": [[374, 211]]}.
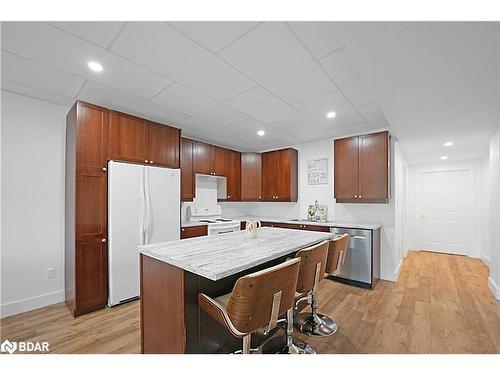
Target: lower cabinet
{"points": [[311, 227], [196, 231]]}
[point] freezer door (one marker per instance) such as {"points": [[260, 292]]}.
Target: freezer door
{"points": [[163, 204], [126, 217]]}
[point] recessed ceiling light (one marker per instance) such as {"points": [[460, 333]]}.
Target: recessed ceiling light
{"points": [[331, 114], [261, 132], [448, 144], [444, 157], [94, 66]]}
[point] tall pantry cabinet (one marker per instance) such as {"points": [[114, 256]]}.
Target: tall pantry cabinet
{"points": [[86, 208]]}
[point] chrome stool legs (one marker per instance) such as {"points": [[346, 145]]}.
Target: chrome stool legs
{"points": [[287, 344], [315, 324]]}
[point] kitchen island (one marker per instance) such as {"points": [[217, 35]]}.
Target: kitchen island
{"points": [[174, 273]]}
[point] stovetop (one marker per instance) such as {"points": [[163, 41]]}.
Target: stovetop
{"points": [[214, 221]]}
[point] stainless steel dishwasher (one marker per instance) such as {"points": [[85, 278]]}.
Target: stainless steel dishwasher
{"points": [[362, 262]]}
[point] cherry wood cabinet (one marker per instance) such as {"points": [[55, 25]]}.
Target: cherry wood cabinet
{"points": [[251, 176], [279, 175], [141, 141], [204, 158], [187, 172], [361, 168], [311, 227], [163, 145], [86, 208], [196, 231], [233, 177], [128, 138]]}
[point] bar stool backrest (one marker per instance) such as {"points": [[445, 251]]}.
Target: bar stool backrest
{"points": [[310, 258], [261, 296], [336, 253]]}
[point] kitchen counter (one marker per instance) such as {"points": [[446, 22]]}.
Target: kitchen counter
{"points": [[216, 257], [338, 224], [186, 224]]}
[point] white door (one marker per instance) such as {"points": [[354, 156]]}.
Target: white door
{"points": [[126, 216], [444, 211], [163, 203]]}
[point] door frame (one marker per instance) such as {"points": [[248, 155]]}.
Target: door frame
{"points": [[469, 208]]}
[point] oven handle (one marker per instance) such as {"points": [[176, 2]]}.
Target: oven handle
{"points": [[226, 231]]}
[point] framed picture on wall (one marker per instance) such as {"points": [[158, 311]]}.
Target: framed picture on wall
{"points": [[317, 171]]}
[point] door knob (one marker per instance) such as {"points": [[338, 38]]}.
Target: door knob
{"points": [[355, 196], [103, 240], [104, 169], [145, 161], [151, 162]]}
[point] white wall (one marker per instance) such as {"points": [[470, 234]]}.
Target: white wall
{"points": [[32, 203], [477, 201], [494, 214]]}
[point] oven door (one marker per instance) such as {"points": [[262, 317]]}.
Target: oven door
{"points": [[228, 228]]}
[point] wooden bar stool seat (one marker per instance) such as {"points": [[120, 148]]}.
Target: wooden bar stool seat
{"points": [[314, 323], [312, 268], [257, 300]]}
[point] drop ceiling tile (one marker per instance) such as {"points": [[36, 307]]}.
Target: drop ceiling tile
{"points": [[347, 76], [163, 49], [266, 107], [214, 35], [188, 101], [99, 32], [46, 44], [347, 131], [272, 56], [249, 129], [317, 108], [30, 73], [36, 93], [198, 129], [305, 131], [324, 37], [373, 115], [107, 97]]}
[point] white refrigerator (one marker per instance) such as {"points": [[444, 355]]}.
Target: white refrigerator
{"points": [[143, 208]]}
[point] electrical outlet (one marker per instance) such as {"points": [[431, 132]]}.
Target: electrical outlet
{"points": [[51, 273]]}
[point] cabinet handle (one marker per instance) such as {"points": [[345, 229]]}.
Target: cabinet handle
{"points": [[104, 169], [151, 162], [103, 240], [355, 196], [360, 196], [228, 196], [182, 229], [260, 197], [145, 161]]}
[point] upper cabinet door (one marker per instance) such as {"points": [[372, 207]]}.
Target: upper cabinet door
{"points": [[163, 145], [374, 167], [286, 178], [221, 161], [203, 158], [269, 170], [187, 174], [92, 137], [128, 138], [234, 176], [251, 175], [346, 155]]}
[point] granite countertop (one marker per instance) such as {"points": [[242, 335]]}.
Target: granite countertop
{"points": [[340, 224], [216, 257]]}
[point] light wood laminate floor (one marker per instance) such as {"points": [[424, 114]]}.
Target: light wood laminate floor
{"points": [[440, 304]]}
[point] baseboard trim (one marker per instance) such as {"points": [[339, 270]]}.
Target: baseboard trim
{"points": [[32, 303], [398, 269], [494, 288]]}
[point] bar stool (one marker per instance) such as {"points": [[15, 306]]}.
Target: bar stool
{"points": [[257, 300], [315, 324], [312, 268]]}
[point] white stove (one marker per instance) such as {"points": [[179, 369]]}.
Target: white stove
{"points": [[211, 214]]}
